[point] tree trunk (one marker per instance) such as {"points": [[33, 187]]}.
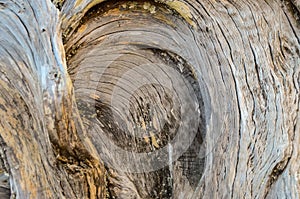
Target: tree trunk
{"points": [[149, 99]]}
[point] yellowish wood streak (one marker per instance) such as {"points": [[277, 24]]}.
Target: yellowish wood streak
{"points": [[153, 140], [78, 2], [183, 10], [179, 6], [82, 28]]}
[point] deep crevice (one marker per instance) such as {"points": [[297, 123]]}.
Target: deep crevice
{"points": [[58, 3], [278, 169], [5, 191], [292, 8]]}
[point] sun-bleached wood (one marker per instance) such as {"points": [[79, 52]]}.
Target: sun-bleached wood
{"points": [[248, 81]]}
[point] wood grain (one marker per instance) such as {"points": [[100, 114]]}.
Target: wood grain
{"points": [[234, 65]]}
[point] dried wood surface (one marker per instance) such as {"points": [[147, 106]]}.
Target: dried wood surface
{"points": [[149, 99]]}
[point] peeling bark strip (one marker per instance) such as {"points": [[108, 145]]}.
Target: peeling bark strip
{"points": [[238, 60]]}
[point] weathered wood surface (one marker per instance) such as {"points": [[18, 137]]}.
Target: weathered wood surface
{"points": [[149, 99], [39, 122]]}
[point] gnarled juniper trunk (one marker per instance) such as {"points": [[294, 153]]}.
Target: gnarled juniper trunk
{"points": [[149, 99]]}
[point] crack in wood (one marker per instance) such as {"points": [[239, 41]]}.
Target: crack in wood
{"points": [[278, 169]]}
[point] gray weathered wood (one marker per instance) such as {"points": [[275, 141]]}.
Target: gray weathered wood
{"points": [[67, 72]]}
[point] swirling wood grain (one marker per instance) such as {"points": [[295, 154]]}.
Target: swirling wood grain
{"points": [[239, 60]]}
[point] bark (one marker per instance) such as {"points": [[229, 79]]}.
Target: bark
{"points": [[149, 99]]}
